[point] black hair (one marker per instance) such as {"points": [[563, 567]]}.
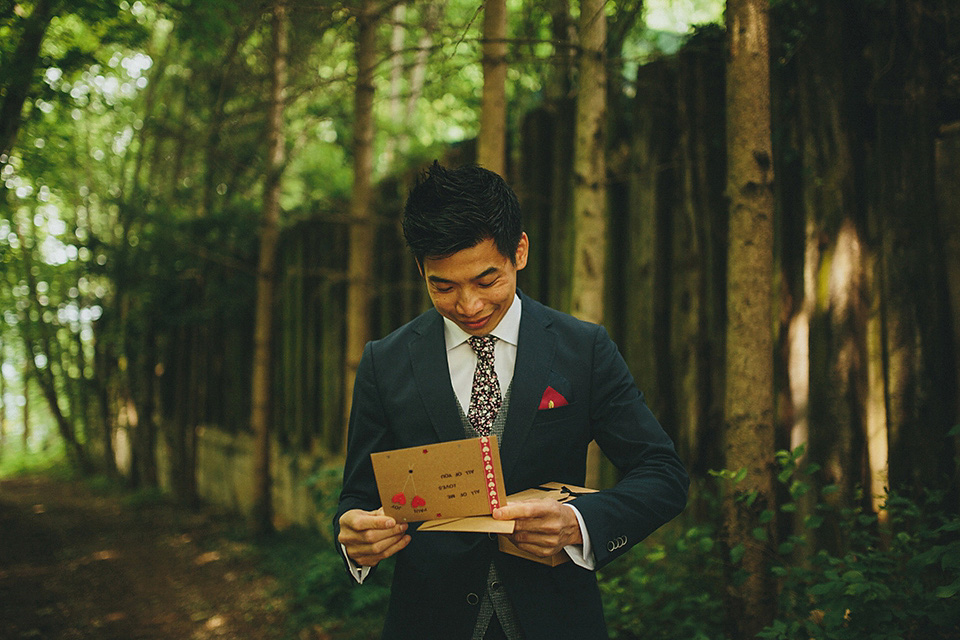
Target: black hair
{"points": [[454, 209]]}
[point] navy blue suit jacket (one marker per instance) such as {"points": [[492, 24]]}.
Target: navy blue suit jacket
{"points": [[403, 398]]}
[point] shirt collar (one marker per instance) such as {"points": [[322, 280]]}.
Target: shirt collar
{"points": [[507, 330]]}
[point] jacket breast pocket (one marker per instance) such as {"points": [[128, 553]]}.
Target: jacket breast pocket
{"points": [[557, 414]]}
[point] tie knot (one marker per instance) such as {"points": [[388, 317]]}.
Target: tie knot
{"points": [[482, 345]]}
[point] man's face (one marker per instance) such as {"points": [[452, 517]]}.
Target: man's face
{"points": [[475, 287]]}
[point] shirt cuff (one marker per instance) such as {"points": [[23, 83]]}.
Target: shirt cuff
{"points": [[582, 555], [360, 573]]}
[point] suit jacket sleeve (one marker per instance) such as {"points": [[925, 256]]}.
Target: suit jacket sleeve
{"points": [[368, 432], [654, 482]]}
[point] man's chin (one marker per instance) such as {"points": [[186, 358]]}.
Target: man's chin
{"points": [[477, 328]]}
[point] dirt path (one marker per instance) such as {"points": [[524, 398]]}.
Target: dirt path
{"points": [[75, 565]]}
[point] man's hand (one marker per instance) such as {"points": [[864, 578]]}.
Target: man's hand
{"points": [[543, 527], [371, 536]]}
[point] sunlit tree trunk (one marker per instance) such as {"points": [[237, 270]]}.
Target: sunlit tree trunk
{"points": [[590, 187], [748, 408], [361, 243], [492, 141], [266, 277]]}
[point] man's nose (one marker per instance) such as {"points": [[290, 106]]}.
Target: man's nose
{"points": [[469, 304]]}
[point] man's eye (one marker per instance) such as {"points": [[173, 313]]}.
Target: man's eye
{"points": [[487, 284], [443, 289]]}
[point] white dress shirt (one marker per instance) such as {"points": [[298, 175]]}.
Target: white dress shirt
{"points": [[462, 363]]}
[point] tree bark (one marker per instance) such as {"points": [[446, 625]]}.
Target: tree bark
{"points": [[492, 141], [921, 367], [18, 74], [262, 514], [590, 183], [748, 407], [361, 242]]}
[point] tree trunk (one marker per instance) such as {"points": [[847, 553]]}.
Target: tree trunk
{"points": [[262, 515], [3, 396], [18, 74], [361, 243], [948, 201], [920, 353], [563, 110], [103, 371], [25, 436], [43, 340], [590, 183], [748, 407], [492, 141]]}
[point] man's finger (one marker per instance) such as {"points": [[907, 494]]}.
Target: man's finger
{"points": [[370, 555], [362, 520], [526, 509]]}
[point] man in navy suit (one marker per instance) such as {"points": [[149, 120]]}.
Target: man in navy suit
{"points": [[557, 384]]}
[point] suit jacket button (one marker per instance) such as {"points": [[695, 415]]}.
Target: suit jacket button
{"points": [[472, 598]]}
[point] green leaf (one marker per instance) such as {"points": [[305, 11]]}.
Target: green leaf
{"points": [[736, 553], [760, 534]]}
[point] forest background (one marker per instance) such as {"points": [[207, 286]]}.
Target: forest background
{"points": [[199, 230]]}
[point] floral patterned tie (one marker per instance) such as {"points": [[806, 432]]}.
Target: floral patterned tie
{"points": [[485, 397]]}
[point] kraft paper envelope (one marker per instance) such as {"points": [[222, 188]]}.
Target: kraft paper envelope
{"points": [[446, 481]]}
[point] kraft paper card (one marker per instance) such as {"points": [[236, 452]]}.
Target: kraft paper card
{"points": [[442, 481]]}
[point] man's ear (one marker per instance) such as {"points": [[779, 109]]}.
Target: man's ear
{"points": [[523, 250]]}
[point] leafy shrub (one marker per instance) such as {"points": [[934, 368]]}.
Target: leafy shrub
{"points": [[322, 597], [667, 587], [899, 578]]}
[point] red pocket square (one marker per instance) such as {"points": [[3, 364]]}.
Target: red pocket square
{"points": [[552, 399]]}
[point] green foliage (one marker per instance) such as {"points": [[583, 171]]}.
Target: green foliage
{"points": [[310, 571], [48, 461], [897, 575], [899, 578], [668, 587]]}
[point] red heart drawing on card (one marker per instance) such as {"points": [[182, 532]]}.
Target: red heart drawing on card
{"points": [[399, 498], [417, 502]]}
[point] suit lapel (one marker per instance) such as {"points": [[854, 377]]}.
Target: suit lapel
{"points": [[535, 349], [428, 353]]}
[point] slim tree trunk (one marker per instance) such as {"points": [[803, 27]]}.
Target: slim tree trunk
{"points": [[361, 243], [269, 234], [492, 142], [45, 377], [3, 403], [25, 439], [748, 408], [590, 187]]}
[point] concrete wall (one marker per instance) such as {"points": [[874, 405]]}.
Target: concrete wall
{"points": [[225, 478]]}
